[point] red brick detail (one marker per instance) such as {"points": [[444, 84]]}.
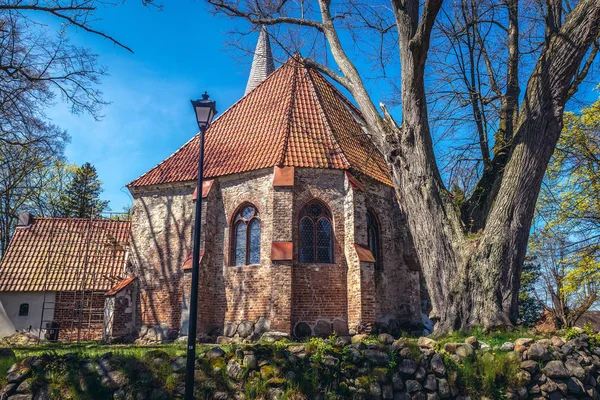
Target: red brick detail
{"points": [[364, 254], [187, 264], [319, 292], [120, 286], [79, 316], [283, 176], [206, 185], [281, 297], [282, 251], [355, 183], [162, 304]]}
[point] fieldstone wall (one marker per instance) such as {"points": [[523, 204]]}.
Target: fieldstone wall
{"points": [[362, 368]]}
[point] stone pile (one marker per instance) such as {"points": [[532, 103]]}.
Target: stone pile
{"points": [[361, 367]]}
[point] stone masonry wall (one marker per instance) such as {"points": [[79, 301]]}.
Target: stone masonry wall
{"points": [[162, 223]]}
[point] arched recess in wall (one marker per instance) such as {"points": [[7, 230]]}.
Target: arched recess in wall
{"points": [[245, 236], [373, 238], [315, 234]]}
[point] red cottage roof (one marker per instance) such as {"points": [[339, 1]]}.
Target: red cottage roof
{"points": [[64, 254], [295, 117]]}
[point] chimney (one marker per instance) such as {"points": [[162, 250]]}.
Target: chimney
{"points": [[25, 220], [262, 63]]}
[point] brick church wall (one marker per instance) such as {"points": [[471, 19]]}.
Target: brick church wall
{"points": [[319, 292], [162, 223], [346, 291]]}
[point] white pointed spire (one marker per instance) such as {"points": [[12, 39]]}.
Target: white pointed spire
{"points": [[262, 63]]}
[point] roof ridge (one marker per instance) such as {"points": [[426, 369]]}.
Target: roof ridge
{"points": [[319, 101], [287, 134]]}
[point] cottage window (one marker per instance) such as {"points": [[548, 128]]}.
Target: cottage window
{"points": [[24, 310], [316, 239], [373, 238], [246, 236]]}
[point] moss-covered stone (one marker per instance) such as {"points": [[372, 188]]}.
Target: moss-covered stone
{"points": [[217, 364]]}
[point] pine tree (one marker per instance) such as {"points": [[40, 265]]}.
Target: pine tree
{"points": [[82, 197]]}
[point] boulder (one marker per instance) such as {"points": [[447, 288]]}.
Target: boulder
{"points": [[340, 327], [114, 380], [18, 376], [408, 366], [437, 365], [507, 346], [302, 330], [250, 361], [556, 369], [444, 389], [230, 329], [464, 350], [385, 338], [575, 387], [472, 340], [262, 325], [538, 352], [272, 337], [397, 381], [323, 328], [178, 364], [234, 370], [529, 366], [575, 368], [215, 352], [245, 329], [413, 386], [426, 342], [524, 342], [430, 383], [377, 357], [557, 342], [387, 392]]}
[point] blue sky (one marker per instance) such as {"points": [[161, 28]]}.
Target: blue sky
{"points": [[179, 53]]}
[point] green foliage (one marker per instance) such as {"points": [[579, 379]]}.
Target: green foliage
{"points": [[488, 375], [565, 241], [5, 364], [530, 308], [82, 196], [318, 347]]}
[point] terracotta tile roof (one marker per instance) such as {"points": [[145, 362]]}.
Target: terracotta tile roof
{"points": [[52, 253], [295, 117], [120, 286]]}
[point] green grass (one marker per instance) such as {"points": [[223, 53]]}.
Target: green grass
{"points": [[5, 364], [488, 375], [495, 338]]}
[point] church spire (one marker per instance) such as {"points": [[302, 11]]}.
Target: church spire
{"points": [[262, 63]]}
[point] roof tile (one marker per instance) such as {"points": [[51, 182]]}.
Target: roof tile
{"points": [[294, 118], [56, 254]]}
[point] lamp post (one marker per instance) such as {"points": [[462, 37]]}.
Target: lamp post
{"points": [[205, 110]]}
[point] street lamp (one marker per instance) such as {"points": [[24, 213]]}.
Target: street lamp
{"points": [[205, 110]]}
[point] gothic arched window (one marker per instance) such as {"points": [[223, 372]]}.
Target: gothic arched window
{"points": [[373, 238], [246, 236], [315, 233]]}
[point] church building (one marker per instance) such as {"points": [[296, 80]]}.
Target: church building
{"points": [[301, 230]]}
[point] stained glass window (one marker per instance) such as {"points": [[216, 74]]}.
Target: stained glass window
{"points": [[315, 234], [246, 237], [307, 240], [254, 250], [373, 237]]}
